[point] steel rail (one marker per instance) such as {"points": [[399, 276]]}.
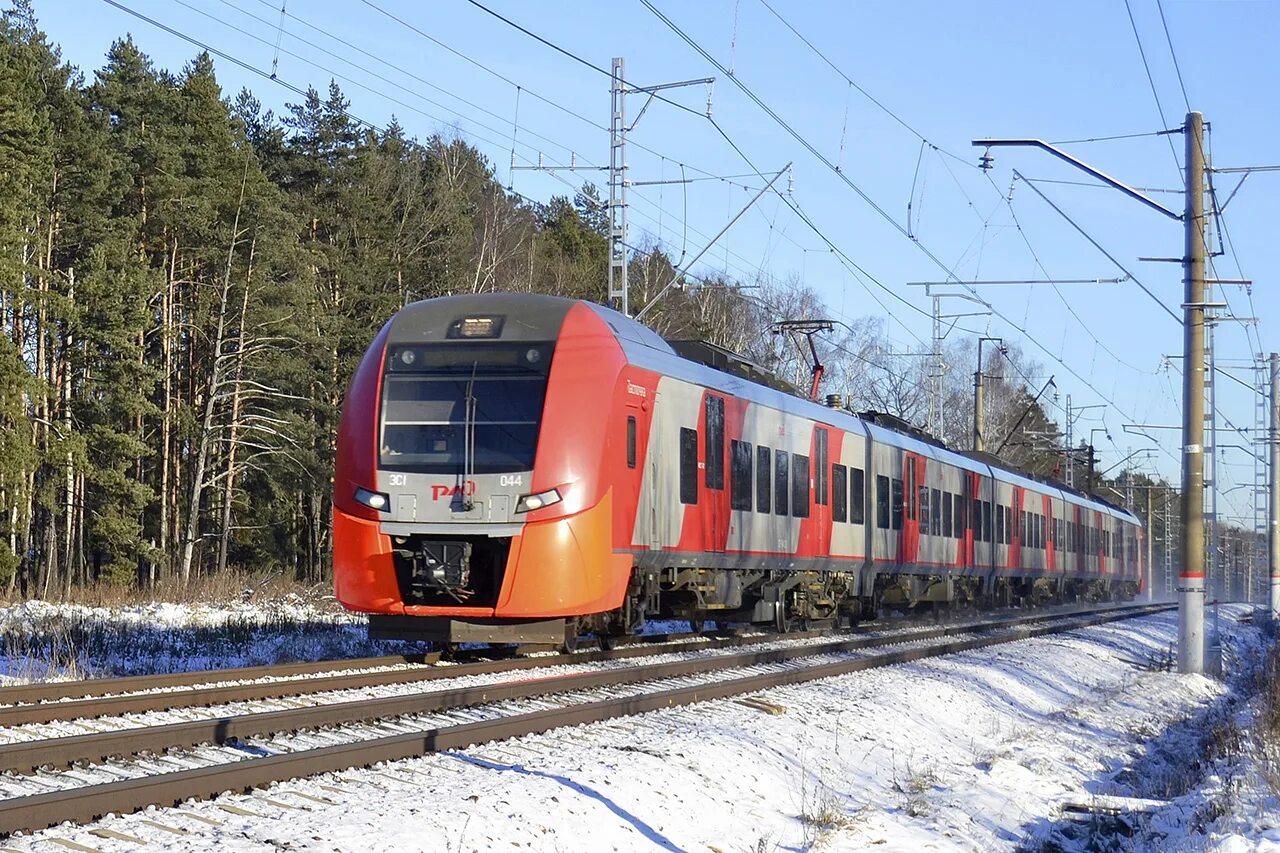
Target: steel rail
{"points": [[199, 695], [23, 757], [79, 688], [84, 804], [24, 694], [203, 694]]}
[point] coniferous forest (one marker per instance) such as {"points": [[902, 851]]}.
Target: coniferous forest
{"points": [[187, 282]]}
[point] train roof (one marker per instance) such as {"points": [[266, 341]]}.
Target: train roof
{"points": [[534, 316], [712, 366]]}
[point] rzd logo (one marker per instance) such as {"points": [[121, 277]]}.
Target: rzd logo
{"points": [[439, 491]]}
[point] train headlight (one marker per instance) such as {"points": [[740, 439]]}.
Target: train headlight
{"points": [[528, 503], [373, 500]]}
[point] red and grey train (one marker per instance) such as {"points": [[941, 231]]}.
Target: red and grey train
{"points": [[521, 468]]}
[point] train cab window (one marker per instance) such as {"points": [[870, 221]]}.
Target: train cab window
{"points": [[897, 499], [935, 514], [947, 529], [462, 409], [923, 502], [857, 496], [999, 525], [957, 516], [781, 482], [715, 442], [882, 502], [740, 485], [799, 485], [820, 490], [764, 482], [631, 441], [839, 493], [688, 466]]}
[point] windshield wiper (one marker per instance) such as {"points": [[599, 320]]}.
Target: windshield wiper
{"points": [[468, 441]]}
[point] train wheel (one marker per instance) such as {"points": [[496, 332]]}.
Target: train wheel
{"points": [[698, 625]]}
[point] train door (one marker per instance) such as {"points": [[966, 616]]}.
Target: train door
{"points": [[913, 485], [715, 512], [820, 522]]}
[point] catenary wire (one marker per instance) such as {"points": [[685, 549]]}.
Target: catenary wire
{"points": [[1150, 79], [861, 193]]}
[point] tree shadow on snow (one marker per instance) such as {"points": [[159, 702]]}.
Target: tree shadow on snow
{"points": [[641, 826]]}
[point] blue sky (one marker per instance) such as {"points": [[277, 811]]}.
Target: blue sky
{"points": [[945, 71]]}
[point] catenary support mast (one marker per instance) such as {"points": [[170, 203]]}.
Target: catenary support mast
{"points": [[1191, 575]]}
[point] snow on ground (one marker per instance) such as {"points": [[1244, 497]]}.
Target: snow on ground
{"points": [[977, 751], [40, 641]]}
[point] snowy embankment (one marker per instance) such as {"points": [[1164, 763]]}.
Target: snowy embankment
{"points": [[40, 641], [987, 750]]}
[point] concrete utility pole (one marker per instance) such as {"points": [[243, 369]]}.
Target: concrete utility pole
{"points": [[1273, 442], [1191, 577], [978, 420]]}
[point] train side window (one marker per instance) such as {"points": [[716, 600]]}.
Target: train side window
{"points": [[631, 441], [999, 524], [1008, 525], [781, 484], [923, 503], [740, 484], [947, 529], [715, 442], [957, 516], [976, 519], [799, 485], [1039, 531], [935, 513], [688, 466], [882, 502], [839, 492], [764, 481], [909, 495], [820, 490], [896, 500], [986, 521], [857, 496]]}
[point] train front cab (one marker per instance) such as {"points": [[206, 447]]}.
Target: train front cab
{"points": [[471, 497]]}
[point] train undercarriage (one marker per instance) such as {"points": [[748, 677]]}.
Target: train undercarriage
{"points": [[718, 598], [801, 600]]}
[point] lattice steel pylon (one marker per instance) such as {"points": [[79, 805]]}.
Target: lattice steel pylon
{"points": [[1261, 474], [618, 190]]}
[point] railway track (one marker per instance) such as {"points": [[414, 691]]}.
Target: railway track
{"points": [[85, 699], [216, 754]]}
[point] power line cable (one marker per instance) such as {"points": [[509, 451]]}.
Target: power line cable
{"points": [[862, 194], [1172, 53], [576, 58], [1159, 108], [1098, 246], [1079, 320], [863, 91]]}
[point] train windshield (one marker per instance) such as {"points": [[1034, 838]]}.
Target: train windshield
{"points": [[463, 409]]}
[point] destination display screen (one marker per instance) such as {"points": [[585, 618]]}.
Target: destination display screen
{"points": [[467, 357]]}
